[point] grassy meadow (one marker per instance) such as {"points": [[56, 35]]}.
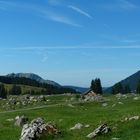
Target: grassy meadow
{"points": [[92, 113]]}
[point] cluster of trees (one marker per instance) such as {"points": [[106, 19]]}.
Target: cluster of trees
{"points": [[3, 92], [15, 90], [96, 86], [138, 88], [118, 88], [22, 81]]}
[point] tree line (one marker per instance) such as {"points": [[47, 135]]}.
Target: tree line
{"points": [[119, 88], [23, 81], [17, 90]]}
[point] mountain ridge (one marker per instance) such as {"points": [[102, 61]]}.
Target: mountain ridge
{"points": [[131, 80], [33, 77]]}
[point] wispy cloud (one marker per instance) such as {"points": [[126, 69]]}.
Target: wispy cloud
{"points": [[127, 39], [119, 5], [80, 11], [48, 14], [62, 19], [46, 48]]}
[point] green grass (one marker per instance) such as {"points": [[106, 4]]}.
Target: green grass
{"points": [[24, 88], [91, 113]]}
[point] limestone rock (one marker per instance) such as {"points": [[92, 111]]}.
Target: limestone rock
{"points": [[36, 129], [134, 118], [136, 98], [115, 139], [20, 121], [104, 104], [103, 129], [77, 126]]}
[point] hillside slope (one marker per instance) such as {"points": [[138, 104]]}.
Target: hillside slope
{"points": [[132, 81]]}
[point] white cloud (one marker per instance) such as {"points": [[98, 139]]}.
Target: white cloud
{"points": [[62, 19], [80, 11], [46, 48], [49, 14]]}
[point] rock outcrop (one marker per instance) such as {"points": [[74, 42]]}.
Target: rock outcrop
{"points": [[36, 129], [103, 129]]}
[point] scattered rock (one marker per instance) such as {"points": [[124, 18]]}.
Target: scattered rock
{"points": [[104, 104], [115, 139], [41, 98], [77, 126], [10, 120], [130, 118], [87, 125], [20, 121], [103, 129], [113, 105], [17, 117], [121, 96], [36, 129], [120, 103], [134, 118], [136, 98], [72, 99], [70, 105]]}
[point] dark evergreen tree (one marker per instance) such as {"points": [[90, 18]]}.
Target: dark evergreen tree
{"points": [[113, 90], [15, 90], [92, 86], [96, 86], [117, 88], [127, 89], [3, 92], [99, 86], [138, 88]]}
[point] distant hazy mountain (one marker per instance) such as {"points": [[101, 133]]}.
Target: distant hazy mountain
{"points": [[33, 77], [78, 89], [132, 81]]}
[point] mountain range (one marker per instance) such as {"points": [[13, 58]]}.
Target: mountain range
{"points": [[41, 80], [132, 81]]}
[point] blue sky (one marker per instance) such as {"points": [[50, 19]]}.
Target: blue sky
{"points": [[70, 41]]}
